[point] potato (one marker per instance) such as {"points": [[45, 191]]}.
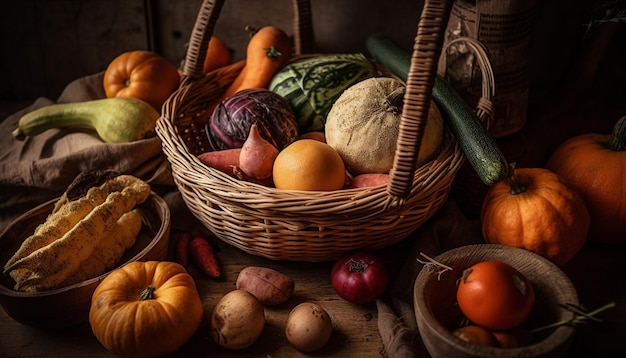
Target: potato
{"points": [[269, 286], [308, 327], [237, 320]]}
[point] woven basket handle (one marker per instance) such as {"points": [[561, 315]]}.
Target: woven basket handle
{"points": [[420, 80], [205, 25], [485, 108]]}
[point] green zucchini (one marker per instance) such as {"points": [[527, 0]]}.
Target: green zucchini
{"points": [[115, 120], [478, 146], [313, 84]]}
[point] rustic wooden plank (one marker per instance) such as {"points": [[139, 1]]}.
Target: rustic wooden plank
{"points": [[355, 326], [47, 44], [174, 21], [340, 26], [50, 43]]}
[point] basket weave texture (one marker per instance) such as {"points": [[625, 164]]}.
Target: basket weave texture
{"points": [[306, 225]]}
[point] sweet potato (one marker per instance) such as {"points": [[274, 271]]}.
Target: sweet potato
{"points": [[225, 160], [269, 286], [369, 179], [257, 155]]}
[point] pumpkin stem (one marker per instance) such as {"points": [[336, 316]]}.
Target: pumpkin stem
{"points": [[147, 293], [617, 143], [516, 187], [394, 101]]}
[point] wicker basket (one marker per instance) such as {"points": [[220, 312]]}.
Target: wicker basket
{"points": [[303, 225]]}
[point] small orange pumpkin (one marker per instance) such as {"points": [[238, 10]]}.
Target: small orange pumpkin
{"points": [[595, 165], [146, 309], [141, 74], [536, 210]]}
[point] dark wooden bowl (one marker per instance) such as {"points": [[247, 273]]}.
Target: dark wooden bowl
{"points": [[69, 305], [437, 313]]}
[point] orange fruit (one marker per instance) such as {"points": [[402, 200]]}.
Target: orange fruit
{"points": [[308, 164]]}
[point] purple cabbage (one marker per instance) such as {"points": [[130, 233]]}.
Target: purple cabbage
{"points": [[232, 119]]}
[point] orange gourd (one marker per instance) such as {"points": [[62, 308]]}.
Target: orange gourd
{"points": [[267, 52], [595, 165], [218, 55], [140, 74], [145, 309], [535, 209]]}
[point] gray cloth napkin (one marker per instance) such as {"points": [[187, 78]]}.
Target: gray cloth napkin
{"points": [[40, 168], [446, 230]]}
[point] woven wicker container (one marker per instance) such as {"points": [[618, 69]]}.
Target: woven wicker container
{"points": [[303, 225]]}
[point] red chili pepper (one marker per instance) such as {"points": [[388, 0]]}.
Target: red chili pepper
{"points": [[182, 249], [203, 256]]}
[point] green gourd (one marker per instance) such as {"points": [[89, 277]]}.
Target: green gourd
{"points": [[478, 146], [115, 120], [313, 84]]}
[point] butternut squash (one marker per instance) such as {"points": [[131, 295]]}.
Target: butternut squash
{"points": [[115, 120], [267, 52]]}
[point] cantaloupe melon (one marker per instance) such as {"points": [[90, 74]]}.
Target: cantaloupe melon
{"points": [[363, 126]]}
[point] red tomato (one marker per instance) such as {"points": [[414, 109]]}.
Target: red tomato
{"points": [[360, 277], [495, 295]]}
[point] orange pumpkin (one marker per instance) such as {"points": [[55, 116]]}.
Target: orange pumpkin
{"points": [[145, 309], [595, 165], [141, 74], [536, 210]]}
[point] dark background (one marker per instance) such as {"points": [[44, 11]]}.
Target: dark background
{"points": [[577, 72], [47, 43]]}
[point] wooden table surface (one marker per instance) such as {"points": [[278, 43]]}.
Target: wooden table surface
{"points": [[597, 273], [355, 326]]}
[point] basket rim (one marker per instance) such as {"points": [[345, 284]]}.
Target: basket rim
{"points": [[188, 171], [309, 225]]}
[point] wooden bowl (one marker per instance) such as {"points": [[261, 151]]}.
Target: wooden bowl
{"points": [[437, 313], [69, 305]]}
